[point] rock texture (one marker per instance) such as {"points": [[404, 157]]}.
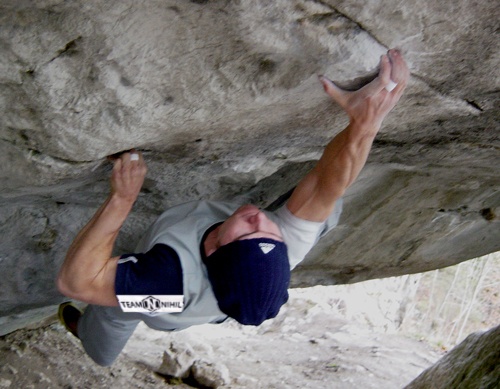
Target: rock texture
{"points": [[309, 345], [223, 99], [181, 361], [474, 363]]}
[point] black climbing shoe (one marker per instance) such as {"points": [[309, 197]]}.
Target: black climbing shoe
{"points": [[68, 316]]}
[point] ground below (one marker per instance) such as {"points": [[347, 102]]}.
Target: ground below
{"points": [[308, 345]]}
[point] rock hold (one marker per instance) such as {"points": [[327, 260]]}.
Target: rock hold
{"points": [[181, 361]]}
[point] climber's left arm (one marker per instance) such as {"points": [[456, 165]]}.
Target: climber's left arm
{"points": [[346, 154]]}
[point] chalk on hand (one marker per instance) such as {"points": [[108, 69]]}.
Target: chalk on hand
{"points": [[134, 157], [390, 86]]}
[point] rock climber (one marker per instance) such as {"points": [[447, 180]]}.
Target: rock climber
{"points": [[205, 261]]}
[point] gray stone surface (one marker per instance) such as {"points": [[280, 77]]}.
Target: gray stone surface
{"points": [[473, 364], [177, 361], [183, 361], [223, 99], [210, 374]]}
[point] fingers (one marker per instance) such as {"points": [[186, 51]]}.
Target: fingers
{"points": [[131, 159], [126, 157], [383, 79], [129, 163], [374, 101], [393, 75], [378, 84], [400, 74], [129, 172], [333, 90], [399, 69]]}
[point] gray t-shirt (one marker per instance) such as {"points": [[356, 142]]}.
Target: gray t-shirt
{"points": [[301, 235], [182, 228]]}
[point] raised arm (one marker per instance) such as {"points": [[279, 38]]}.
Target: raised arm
{"points": [[346, 154], [88, 271]]}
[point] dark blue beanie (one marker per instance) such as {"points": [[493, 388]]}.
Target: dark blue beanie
{"points": [[250, 279]]}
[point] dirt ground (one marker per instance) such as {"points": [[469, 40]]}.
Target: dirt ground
{"points": [[307, 346]]}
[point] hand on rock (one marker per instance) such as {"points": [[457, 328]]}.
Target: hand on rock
{"points": [[368, 106], [128, 175]]}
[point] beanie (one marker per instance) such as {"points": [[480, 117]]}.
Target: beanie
{"points": [[250, 279]]}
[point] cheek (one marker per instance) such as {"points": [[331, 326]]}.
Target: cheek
{"points": [[227, 233]]}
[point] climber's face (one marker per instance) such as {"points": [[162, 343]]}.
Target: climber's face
{"points": [[247, 222]]}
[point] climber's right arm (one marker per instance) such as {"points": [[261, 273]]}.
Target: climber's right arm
{"points": [[88, 271]]}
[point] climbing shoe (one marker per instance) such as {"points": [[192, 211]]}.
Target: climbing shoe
{"points": [[68, 316]]}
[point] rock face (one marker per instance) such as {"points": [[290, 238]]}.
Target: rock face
{"points": [[223, 99], [474, 363]]}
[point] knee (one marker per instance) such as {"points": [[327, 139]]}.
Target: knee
{"points": [[102, 360], [104, 363], [100, 356]]}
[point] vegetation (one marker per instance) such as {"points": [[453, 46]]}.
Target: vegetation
{"points": [[452, 302]]}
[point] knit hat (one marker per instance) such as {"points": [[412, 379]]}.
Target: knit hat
{"points": [[250, 279]]}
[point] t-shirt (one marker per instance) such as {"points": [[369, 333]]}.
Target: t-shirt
{"points": [[156, 272], [171, 250]]}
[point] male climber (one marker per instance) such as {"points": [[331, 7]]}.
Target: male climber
{"points": [[203, 262]]}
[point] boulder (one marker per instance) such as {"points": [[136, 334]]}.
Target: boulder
{"points": [[210, 374], [181, 361], [177, 360], [473, 364], [223, 100]]}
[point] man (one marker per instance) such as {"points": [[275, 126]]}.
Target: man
{"points": [[202, 262]]}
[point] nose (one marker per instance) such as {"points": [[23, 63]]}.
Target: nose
{"points": [[257, 219]]}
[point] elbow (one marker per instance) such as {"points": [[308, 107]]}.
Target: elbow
{"points": [[69, 282], [63, 286], [68, 289], [81, 291]]}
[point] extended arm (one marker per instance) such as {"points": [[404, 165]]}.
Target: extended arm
{"points": [[344, 157], [88, 272]]}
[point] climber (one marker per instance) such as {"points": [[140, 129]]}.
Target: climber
{"points": [[205, 261]]}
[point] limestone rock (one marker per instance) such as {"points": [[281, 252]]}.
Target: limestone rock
{"points": [[474, 363], [223, 99], [210, 374], [180, 360], [177, 360]]}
